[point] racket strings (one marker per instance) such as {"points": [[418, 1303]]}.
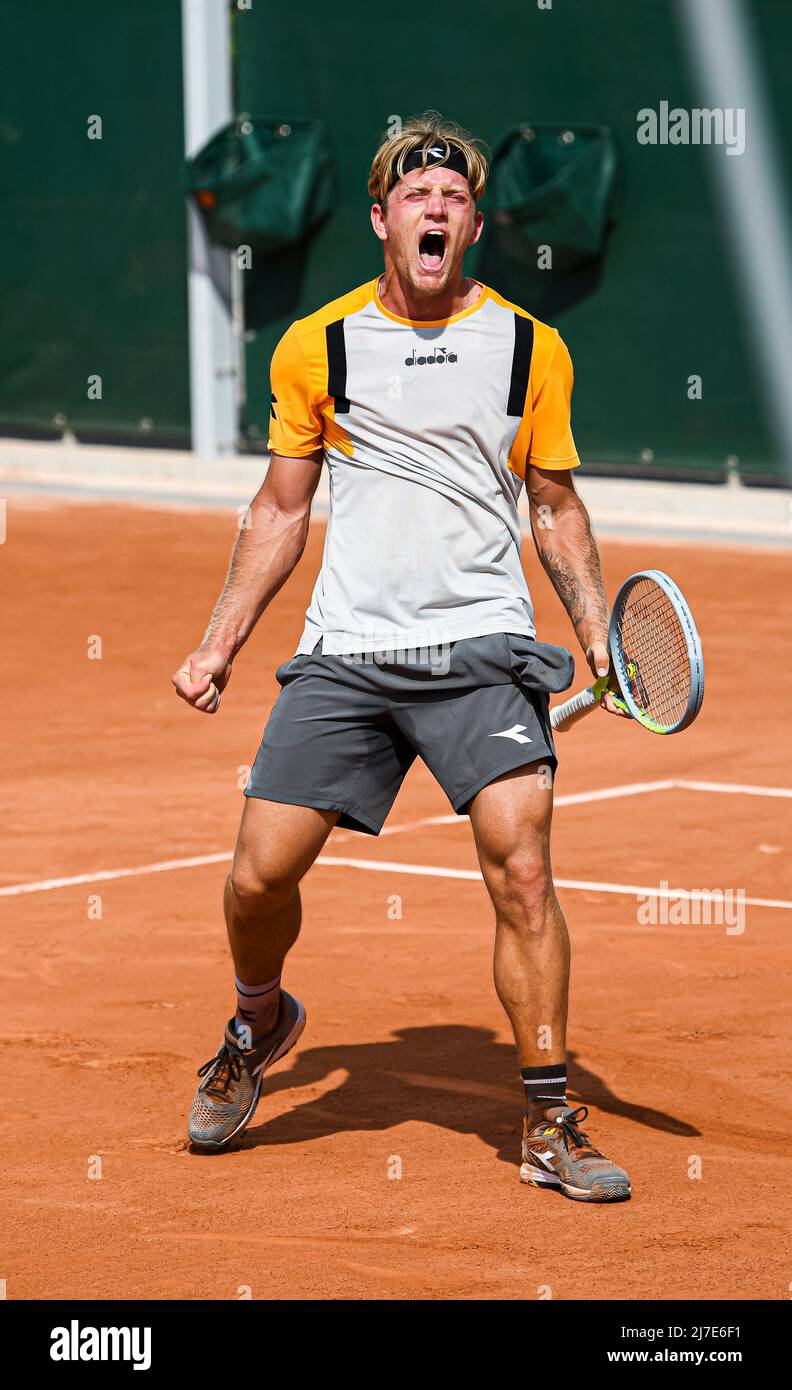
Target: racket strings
{"points": [[655, 654]]}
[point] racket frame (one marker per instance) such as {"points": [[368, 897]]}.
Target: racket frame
{"points": [[692, 643], [583, 703]]}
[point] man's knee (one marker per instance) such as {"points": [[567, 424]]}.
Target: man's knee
{"points": [[256, 889], [522, 887]]}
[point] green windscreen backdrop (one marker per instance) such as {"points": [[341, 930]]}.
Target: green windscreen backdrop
{"points": [[92, 232], [662, 306]]}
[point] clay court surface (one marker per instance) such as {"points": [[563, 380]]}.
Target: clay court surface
{"points": [[677, 1033]]}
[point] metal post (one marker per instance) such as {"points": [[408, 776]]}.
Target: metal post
{"points": [[206, 59]]}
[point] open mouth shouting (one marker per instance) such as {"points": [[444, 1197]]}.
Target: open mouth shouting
{"points": [[432, 249]]}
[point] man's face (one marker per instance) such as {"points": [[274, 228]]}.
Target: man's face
{"points": [[430, 222]]}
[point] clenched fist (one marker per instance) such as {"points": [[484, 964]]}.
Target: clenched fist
{"points": [[202, 677]]}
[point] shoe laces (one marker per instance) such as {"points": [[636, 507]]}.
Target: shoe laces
{"points": [[222, 1070], [568, 1127]]}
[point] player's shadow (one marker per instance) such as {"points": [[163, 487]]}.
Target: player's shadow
{"points": [[452, 1076]]}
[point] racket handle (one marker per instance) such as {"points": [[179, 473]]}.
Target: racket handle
{"points": [[564, 716]]}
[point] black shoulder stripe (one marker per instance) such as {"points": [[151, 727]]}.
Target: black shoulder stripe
{"points": [[337, 366], [521, 364]]}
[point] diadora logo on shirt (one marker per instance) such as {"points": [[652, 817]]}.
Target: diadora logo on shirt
{"points": [[437, 355]]}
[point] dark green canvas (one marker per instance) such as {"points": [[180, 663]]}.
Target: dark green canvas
{"points": [[263, 183], [551, 186]]}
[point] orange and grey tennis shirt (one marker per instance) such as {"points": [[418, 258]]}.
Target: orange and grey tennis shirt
{"points": [[427, 430]]}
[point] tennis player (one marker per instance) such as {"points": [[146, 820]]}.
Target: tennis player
{"points": [[432, 402]]}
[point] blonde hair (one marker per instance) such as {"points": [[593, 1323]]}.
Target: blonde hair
{"points": [[418, 133]]}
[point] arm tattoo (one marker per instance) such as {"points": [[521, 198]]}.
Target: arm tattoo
{"points": [[566, 585], [574, 569]]}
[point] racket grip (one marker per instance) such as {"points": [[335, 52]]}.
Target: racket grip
{"points": [[564, 716]]}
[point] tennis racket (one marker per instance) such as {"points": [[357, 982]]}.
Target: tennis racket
{"points": [[655, 653]]}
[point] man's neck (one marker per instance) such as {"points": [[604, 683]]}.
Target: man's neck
{"points": [[399, 299]]}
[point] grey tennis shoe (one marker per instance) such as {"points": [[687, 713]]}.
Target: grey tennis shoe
{"points": [[556, 1153], [229, 1092]]}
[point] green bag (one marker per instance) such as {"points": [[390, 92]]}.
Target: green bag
{"points": [[262, 183], [552, 186]]}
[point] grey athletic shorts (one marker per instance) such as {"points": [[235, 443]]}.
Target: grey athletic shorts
{"points": [[345, 730]]}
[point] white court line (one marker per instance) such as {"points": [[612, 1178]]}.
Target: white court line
{"points": [[573, 799], [703, 895], [105, 875], [570, 799], [733, 788], [393, 867], [604, 794], [609, 793], [630, 890]]}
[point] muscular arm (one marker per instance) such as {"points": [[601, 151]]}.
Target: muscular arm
{"points": [[562, 535], [267, 549]]}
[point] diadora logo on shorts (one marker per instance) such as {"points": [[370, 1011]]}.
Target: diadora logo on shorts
{"points": [[437, 355], [517, 732]]}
